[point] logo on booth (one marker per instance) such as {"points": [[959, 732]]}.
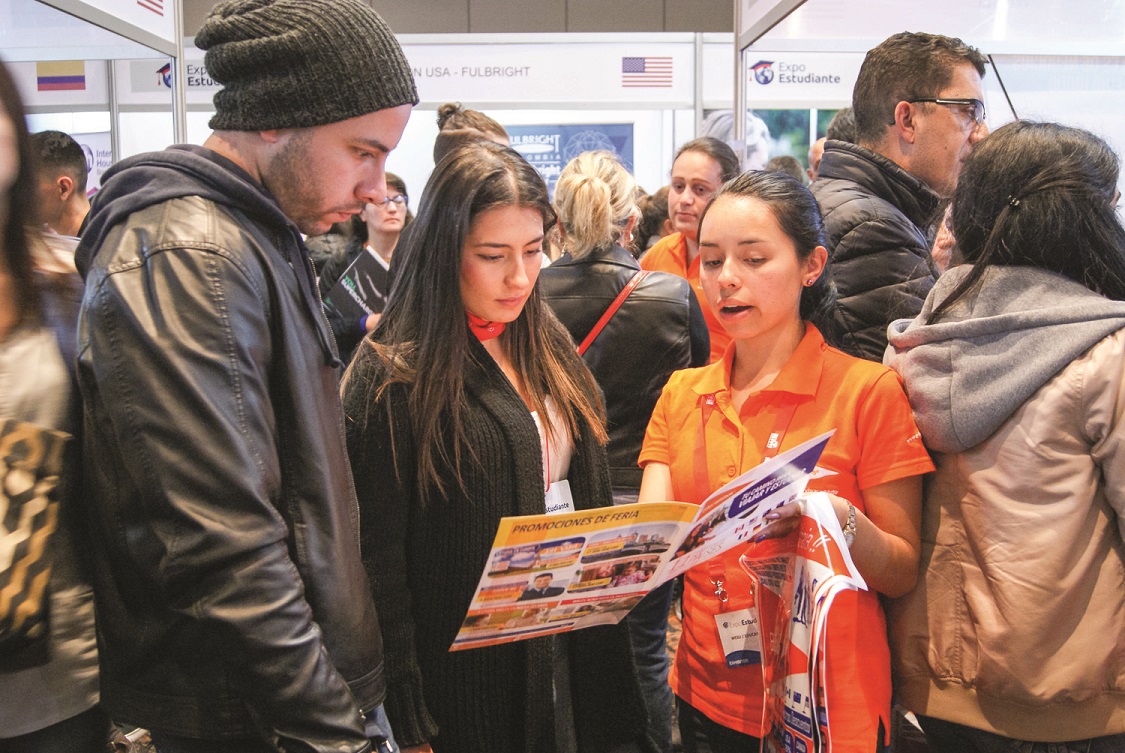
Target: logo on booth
{"points": [[763, 71], [165, 74]]}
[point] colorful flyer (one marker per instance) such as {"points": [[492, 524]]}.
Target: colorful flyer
{"points": [[553, 573], [797, 578]]}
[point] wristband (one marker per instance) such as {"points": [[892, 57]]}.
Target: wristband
{"points": [[849, 527]]}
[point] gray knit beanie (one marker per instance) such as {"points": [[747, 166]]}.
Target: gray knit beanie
{"points": [[301, 63]]}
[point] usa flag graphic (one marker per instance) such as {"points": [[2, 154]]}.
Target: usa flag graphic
{"points": [[651, 72]]}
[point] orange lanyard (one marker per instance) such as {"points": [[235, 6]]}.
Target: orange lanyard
{"points": [[717, 572]]}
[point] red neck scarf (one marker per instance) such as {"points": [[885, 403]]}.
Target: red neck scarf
{"points": [[483, 329]]}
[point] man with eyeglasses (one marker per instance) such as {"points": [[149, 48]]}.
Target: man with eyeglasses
{"points": [[919, 109]]}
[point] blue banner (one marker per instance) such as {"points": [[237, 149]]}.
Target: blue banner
{"points": [[549, 147]]}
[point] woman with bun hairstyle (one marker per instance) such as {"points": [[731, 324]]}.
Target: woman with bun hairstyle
{"points": [[765, 277], [468, 404], [700, 167], [657, 330], [1014, 638], [458, 126]]}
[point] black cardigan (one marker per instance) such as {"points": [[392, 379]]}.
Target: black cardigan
{"points": [[425, 561]]}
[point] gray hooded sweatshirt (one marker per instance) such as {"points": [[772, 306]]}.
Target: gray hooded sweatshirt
{"points": [[969, 372]]}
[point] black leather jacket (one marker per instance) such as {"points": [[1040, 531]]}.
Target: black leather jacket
{"points": [[659, 329], [878, 221], [231, 597]]}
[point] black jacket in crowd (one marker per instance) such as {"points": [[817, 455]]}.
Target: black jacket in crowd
{"points": [[232, 601], [659, 329], [878, 220]]}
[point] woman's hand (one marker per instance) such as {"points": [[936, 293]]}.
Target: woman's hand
{"points": [[782, 521]]}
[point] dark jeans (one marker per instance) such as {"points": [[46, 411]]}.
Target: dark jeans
{"points": [[950, 737], [87, 732], [699, 734], [648, 631]]}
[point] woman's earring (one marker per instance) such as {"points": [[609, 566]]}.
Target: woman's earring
{"points": [[809, 283]]}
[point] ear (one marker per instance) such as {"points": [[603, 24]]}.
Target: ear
{"points": [[65, 186], [632, 224], [275, 136], [813, 266], [906, 122]]}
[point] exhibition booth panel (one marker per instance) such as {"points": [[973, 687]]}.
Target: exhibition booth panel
{"points": [[67, 59], [1048, 60]]}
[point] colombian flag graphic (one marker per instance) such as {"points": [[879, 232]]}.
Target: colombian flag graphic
{"points": [[61, 75]]}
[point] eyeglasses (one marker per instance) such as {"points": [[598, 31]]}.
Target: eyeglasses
{"points": [[400, 200], [977, 112]]}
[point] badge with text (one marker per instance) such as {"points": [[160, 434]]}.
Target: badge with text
{"points": [[742, 642]]}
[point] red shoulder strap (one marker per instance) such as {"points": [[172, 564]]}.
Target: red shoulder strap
{"points": [[609, 312]]}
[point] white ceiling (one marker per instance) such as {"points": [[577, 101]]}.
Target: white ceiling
{"points": [[30, 30], [1040, 27]]}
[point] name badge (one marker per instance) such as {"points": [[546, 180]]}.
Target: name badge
{"points": [[740, 636], [558, 498]]}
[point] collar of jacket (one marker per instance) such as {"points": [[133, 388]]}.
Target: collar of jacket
{"points": [[614, 254], [882, 177]]}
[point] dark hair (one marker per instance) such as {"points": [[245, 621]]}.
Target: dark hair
{"points": [[57, 151], [654, 212], [842, 126], [905, 66], [458, 126], [1040, 195], [720, 151], [453, 117], [21, 204], [423, 337], [787, 164], [798, 215]]}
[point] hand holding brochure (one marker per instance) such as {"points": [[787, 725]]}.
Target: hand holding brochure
{"points": [[554, 573], [799, 578]]}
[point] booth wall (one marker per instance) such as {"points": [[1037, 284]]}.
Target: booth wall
{"points": [[461, 16]]}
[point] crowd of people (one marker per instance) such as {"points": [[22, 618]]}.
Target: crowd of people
{"points": [[266, 518]]}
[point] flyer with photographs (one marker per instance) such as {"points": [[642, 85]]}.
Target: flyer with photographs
{"points": [[554, 573], [800, 577]]}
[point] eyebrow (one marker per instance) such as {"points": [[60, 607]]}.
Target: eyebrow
{"points": [[745, 242], [374, 144], [489, 244]]}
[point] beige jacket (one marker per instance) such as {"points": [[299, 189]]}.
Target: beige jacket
{"points": [[1017, 625]]}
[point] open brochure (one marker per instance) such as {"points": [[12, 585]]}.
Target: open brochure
{"points": [[553, 573], [799, 577]]}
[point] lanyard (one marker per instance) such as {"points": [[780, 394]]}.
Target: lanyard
{"points": [[717, 573]]}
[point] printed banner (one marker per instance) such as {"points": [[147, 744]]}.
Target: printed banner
{"points": [[798, 578], [549, 147]]}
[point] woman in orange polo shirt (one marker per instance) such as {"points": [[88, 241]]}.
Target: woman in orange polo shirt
{"points": [[700, 167], [764, 276]]}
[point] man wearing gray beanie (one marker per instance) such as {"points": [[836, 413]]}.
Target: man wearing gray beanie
{"points": [[234, 612]]}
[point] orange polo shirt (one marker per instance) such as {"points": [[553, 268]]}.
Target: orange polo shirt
{"points": [[669, 254], [876, 441]]}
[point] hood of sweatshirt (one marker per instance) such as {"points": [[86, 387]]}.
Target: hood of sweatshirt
{"points": [[143, 180], [969, 372], [140, 181]]}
